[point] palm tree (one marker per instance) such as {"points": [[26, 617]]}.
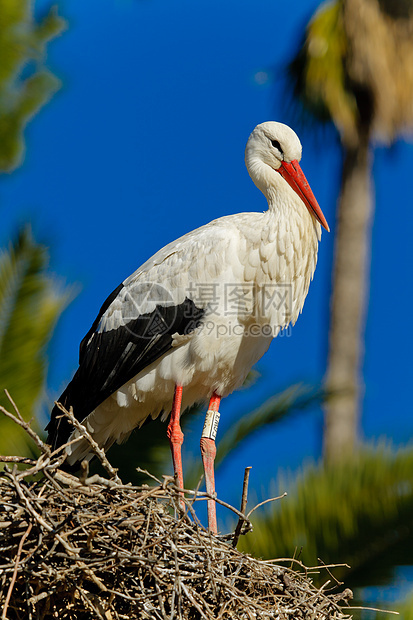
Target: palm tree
{"points": [[355, 68]]}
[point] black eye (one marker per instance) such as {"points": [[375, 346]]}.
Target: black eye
{"points": [[276, 145]]}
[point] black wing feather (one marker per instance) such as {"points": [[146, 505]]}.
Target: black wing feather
{"points": [[108, 360]]}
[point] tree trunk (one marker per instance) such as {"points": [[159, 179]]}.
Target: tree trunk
{"points": [[349, 295]]}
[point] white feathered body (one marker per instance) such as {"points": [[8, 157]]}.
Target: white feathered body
{"points": [[251, 272]]}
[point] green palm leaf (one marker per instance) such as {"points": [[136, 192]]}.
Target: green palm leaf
{"points": [[31, 301], [22, 46], [318, 71], [359, 512], [405, 608]]}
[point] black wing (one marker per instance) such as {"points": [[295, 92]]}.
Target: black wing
{"points": [[108, 360]]}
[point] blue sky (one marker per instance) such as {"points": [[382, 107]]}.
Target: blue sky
{"points": [[145, 141]]}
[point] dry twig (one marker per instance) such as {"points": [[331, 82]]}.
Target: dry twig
{"points": [[244, 500]]}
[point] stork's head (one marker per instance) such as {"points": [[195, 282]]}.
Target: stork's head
{"points": [[274, 147]]}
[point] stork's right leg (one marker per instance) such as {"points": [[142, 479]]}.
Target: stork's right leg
{"points": [[176, 436], [208, 451]]}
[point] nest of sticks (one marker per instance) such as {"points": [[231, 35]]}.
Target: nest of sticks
{"points": [[93, 547]]}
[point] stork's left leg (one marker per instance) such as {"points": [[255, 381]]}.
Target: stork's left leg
{"points": [[208, 451], [176, 436]]}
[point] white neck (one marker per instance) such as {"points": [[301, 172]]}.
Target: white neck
{"points": [[276, 190]]}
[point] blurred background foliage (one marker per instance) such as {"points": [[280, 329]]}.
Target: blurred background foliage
{"points": [[356, 506], [25, 83], [358, 510], [31, 299]]}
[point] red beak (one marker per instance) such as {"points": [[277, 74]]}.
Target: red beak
{"points": [[295, 178]]}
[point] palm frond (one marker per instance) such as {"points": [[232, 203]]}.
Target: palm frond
{"points": [[31, 301], [406, 608], [23, 43], [317, 72], [359, 511]]}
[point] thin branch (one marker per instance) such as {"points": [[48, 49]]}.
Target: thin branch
{"points": [[16, 566], [17, 418], [384, 611], [100, 453], [17, 459], [244, 500], [271, 499]]}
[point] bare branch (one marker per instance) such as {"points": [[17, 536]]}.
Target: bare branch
{"points": [[266, 501], [16, 566], [17, 418], [244, 500], [100, 453]]}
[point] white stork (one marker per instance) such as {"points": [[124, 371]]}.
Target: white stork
{"points": [[190, 323]]}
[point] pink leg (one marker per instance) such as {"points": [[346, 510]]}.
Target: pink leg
{"points": [[176, 436], [208, 451]]}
